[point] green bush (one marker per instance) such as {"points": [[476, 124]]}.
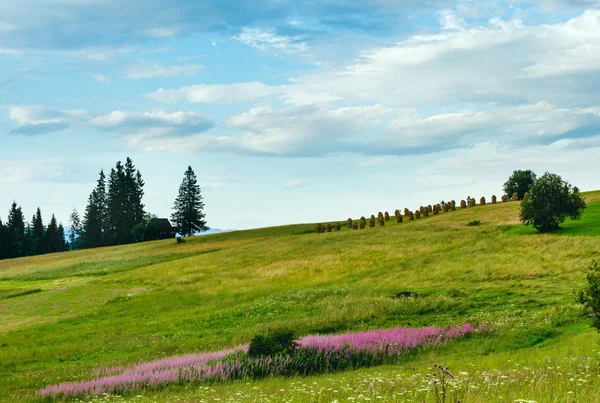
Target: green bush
{"points": [[474, 223], [549, 202], [272, 343], [590, 295]]}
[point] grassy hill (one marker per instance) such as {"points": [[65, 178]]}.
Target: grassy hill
{"points": [[65, 316]]}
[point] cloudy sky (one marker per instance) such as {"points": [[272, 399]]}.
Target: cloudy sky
{"points": [[295, 110]]}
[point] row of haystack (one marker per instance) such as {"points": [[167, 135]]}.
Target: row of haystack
{"points": [[422, 211]]}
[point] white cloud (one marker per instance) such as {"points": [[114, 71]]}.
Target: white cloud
{"points": [[101, 78], [268, 40], [296, 184], [215, 93], [161, 32], [143, 71]]}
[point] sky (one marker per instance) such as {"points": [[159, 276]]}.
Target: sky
{"points": [[295, 111]]}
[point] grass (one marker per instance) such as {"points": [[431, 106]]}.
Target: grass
{"points": [[64, 316]]}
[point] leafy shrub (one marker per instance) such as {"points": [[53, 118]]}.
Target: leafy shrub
{"points": [[590, 295], [519, 182], [474, 223], [549, 202], [273, 343]]}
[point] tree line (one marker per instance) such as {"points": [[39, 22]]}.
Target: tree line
{"points": [[114, 215]]}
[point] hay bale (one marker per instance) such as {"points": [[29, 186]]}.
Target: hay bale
{"points": [[429, 209], [338, 226], [453, 205], [515, 197], [350, 223], [417, 214], [328, 229], [421, 209], [435, 211], [494, 199], [472, 203], [396, 213], [386, 216], [426, 212], [362, 224], [482, 201], [446, 207], [526, 195], [406, 211], [318, 228], [381, 222], [411, 216], [463, 204], [398, 219], [372, 222], [504, 198]]}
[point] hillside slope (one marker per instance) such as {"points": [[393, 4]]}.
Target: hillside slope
{"points": [[64, 316]]}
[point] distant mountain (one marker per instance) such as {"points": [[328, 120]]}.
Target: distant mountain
{"points": [[215, 231]]}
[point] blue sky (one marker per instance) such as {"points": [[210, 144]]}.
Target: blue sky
{"points": [[295, 111]]}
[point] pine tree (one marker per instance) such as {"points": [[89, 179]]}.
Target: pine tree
{"points": [[52, 236], [61, 243], [189, 207], [3, 241], [75, 230], [37, 228], [94, 219], [16, 231], [116, 202]]}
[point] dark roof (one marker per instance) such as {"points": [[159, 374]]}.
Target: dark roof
{"points": [[164, 225]]}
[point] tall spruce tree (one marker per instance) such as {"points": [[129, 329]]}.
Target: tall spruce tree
{"points": [[37, 232], [75, 230], [3, 241], [94, 219], [52, 236], [188, 216], [16, 231], [61, 243]]}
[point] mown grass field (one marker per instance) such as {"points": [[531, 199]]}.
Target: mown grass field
{"points": [[65, 316]]}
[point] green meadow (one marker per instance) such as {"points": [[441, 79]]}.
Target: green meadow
{"points": [[65, 316]]}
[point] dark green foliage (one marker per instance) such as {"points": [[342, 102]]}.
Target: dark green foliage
{"points": [[16, 231], [549, 202], [189, 207], [589, 296], [147, 230], [474, 223], [94, 218], [273, 343], [179, 240], [37, 231], [52, 238], [4, 248], [520, 182]]}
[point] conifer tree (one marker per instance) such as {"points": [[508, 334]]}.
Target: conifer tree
{"points": [[3, 241], [61, 243], [16, 231], [188, 216], [94, 219], [75, 230], [51, 236], [37, 229]]}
